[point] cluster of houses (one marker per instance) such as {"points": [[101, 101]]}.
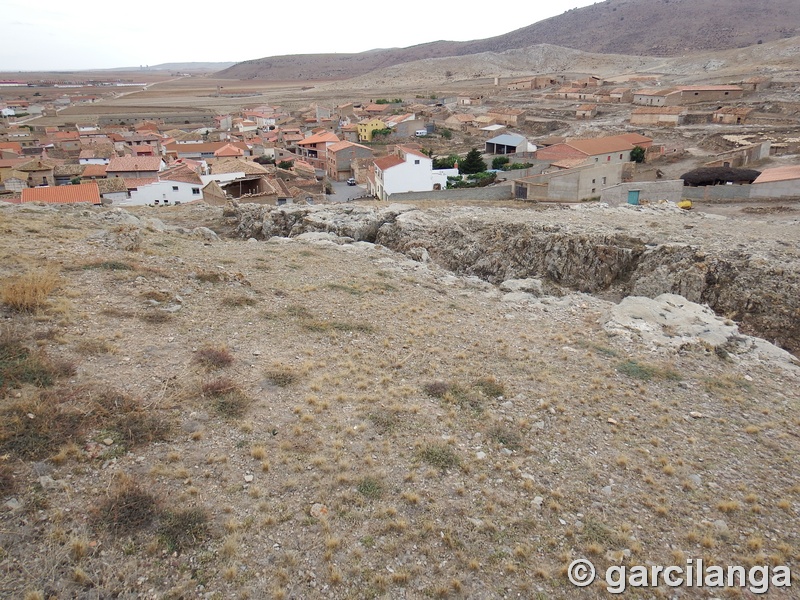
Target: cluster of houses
{"points": [[263, 154], [267, 154], [651, 105]]}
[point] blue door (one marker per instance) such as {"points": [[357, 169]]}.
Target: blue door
{"points": [[633, 196]]}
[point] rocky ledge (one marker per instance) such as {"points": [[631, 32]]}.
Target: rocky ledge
{"points": [[746, 271]]}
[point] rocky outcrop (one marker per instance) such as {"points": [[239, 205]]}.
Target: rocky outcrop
{"points": [[612, 253]]}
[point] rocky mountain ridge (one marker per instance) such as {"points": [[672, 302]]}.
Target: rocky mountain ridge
{"points": [[667, 28]]}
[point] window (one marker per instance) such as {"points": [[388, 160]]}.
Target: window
{"points": [[604, 180], [174, 188], [593, 189], [608, 158], [592, 180], [416, 162], [195, 191], [620, 156], [596, 159]]}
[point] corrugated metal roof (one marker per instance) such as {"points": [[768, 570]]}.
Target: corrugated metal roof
{"points": [[507, 139]]}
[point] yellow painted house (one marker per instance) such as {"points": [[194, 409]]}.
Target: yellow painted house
{"points": [[365, 128]]}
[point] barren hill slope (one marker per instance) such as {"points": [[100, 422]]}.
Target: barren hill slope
{"points": [[635, 27], [190, 416]]}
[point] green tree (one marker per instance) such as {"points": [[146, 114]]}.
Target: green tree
{"points": [[447, 162], [473, 163], [498, 162], [637, 154], [285, 164]]}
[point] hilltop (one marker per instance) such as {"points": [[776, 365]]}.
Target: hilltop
{"points": [[666, 28]]}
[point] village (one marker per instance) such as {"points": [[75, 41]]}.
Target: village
{"points": [[547, 138]]}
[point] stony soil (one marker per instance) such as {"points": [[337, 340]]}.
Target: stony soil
{"points": [[405, 432]]}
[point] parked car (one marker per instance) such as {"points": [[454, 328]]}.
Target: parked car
{"points": [[351, 181]]}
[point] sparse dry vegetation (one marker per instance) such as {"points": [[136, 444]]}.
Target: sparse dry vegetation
{"points": [[29, 292], [472, 446]]}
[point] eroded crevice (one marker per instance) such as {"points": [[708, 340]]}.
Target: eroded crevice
{"points": [[764, 298]]}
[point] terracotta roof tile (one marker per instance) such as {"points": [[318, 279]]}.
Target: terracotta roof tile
{"points": [[319, 138], [140, 164], [387, 162], [63, 194], [229, 150], [343, 145], [94, 171]]}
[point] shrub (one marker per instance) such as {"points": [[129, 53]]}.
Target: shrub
{"points": [[214, 357], [440, 456], [7, 482], [499, 161], [281, 376], [20, 365], [505, 436], [183, 529], [127, 510], [110, 265], [227, 399], [370, 487]]}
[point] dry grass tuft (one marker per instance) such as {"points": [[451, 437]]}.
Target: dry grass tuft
{"points": [[370, 487], [214, 357], [227, 399], [127, 510], [29, 292], [281, 376], [20, 365], [7, 481], [183, 529], [440, 456]]}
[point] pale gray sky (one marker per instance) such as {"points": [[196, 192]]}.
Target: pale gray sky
{"points": [[94, 34]]}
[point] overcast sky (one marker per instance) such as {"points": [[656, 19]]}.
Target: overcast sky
{"points": [[94, 34]]}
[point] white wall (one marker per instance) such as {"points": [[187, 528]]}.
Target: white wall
{"points": [[409, 177], [162, 190]]}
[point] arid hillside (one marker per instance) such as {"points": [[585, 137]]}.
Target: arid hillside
{"points": [[250, 403], [631, 27]]}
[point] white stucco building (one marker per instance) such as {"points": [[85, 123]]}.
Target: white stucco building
{"points": [[406, 170]]}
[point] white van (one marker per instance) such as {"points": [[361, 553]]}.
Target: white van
{"points": [[421, 132]]}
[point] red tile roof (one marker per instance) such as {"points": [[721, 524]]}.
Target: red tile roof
{"points": [[140, 164], [228, 150], [387, 162], [13, 146], [343, 145], [63, 194], [319, 138], [412, 151], [204, 147]]}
